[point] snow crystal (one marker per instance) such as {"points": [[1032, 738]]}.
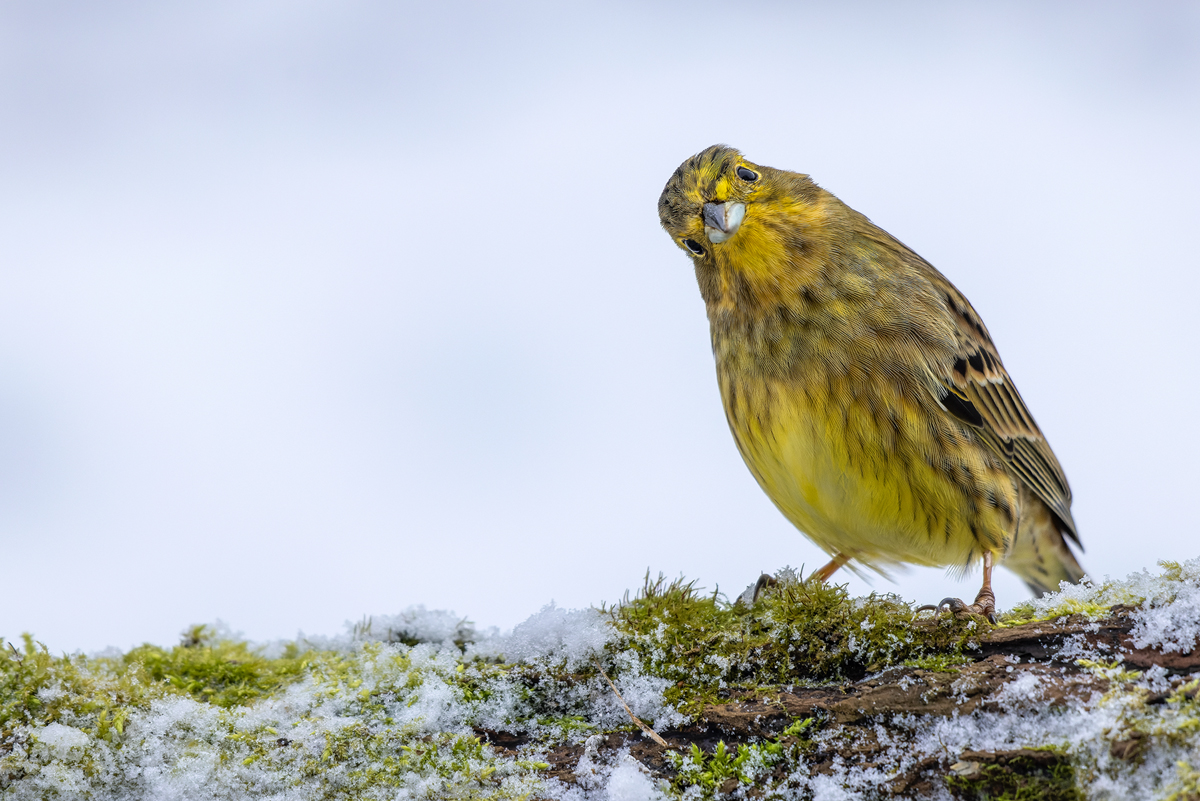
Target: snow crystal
{"points": [[1173, 627], [629, 781], [1140, 586], [413, 626], [1168, 617], [644, 695], [619, 778], [58, 740], [417, 624], [554, 636], [1022, 692]]}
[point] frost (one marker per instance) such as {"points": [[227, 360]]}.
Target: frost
{"points": [[391, 703], [58, 740], [619, 778], [1168, 614], [572, 637], [1173, 627], [1138, 588], [644, 694], [413, 626], [1021, 692]]}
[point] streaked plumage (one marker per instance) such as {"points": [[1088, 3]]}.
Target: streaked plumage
{"points": [[863, 390]]}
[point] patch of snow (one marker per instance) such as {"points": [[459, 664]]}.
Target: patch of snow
{"points": [[629, 781], [59, 740], [413, 626], [644, 693], [1137, 588], [553, 636], [1022, 692], [618, 778], [1171, 627]]}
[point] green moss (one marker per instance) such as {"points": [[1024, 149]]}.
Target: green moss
{"points": [[1114, 671], [566, 727], [798, 632], [395, 757], [336, 734], [222, 673], [37, 688], [1027, 611], [1174, 720], [360, 750], [1019, 778], [939, 663], [726, 769], [1186, 786]]}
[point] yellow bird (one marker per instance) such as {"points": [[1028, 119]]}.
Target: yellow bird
{"points": [[862, 389]]}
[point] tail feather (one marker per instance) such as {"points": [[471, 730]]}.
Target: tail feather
{"points": [[1039, 553]]}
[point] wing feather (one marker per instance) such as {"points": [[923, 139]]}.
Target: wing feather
{"points": [[977, 376], [974, 387]]}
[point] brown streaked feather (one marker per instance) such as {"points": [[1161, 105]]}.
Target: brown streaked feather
{"points": [[982, 395], [1007, 427]]}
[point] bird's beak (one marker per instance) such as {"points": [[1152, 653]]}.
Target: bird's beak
{"points": [[721, 220]]}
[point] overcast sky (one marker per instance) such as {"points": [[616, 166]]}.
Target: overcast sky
{"points": [[316, 310]]}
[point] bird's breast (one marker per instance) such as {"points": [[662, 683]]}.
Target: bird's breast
{"points": [[853, 462]]}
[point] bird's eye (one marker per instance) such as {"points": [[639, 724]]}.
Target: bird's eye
{"points": [[693, 246], [747, 175]]}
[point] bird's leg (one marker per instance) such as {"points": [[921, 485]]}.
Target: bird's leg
{"points": [[985, 601], [824, 573]]}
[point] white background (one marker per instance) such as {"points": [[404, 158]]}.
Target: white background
{"points": [[312, 310]]}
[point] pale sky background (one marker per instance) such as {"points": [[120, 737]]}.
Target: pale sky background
{"points": [[316, 310]]}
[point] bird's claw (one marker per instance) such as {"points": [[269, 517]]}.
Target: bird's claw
{"points": [[764, 581], [984, 607]]}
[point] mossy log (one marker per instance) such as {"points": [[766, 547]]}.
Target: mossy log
{"points": [[857, 717], [803, 693]]}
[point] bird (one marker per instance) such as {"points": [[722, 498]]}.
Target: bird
{"points": [[863, 391]]}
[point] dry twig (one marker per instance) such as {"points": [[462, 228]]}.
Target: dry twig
{"points": [[649, 732]]}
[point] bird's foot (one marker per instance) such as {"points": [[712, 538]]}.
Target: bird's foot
{"points": [[763, 582], [756, 590], [985, 605]]}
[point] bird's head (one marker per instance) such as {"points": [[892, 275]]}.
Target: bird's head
{"points": [[704, 203], [735, 217]]}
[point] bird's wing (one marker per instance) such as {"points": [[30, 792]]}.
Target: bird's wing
{"points": [[979, 392]]}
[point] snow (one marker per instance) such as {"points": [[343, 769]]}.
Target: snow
{"points": [[568, 637], [1172, 627], [618, 778], [58, 740], [1141, 586]]}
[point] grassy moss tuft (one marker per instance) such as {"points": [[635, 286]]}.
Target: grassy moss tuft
{"points": [[798, 632], [223, 673]]}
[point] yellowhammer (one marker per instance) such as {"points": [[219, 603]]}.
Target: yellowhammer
{"points": [[862, 389]]}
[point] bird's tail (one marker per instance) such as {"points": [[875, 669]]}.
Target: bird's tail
{"points": [[1039, 553]]}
